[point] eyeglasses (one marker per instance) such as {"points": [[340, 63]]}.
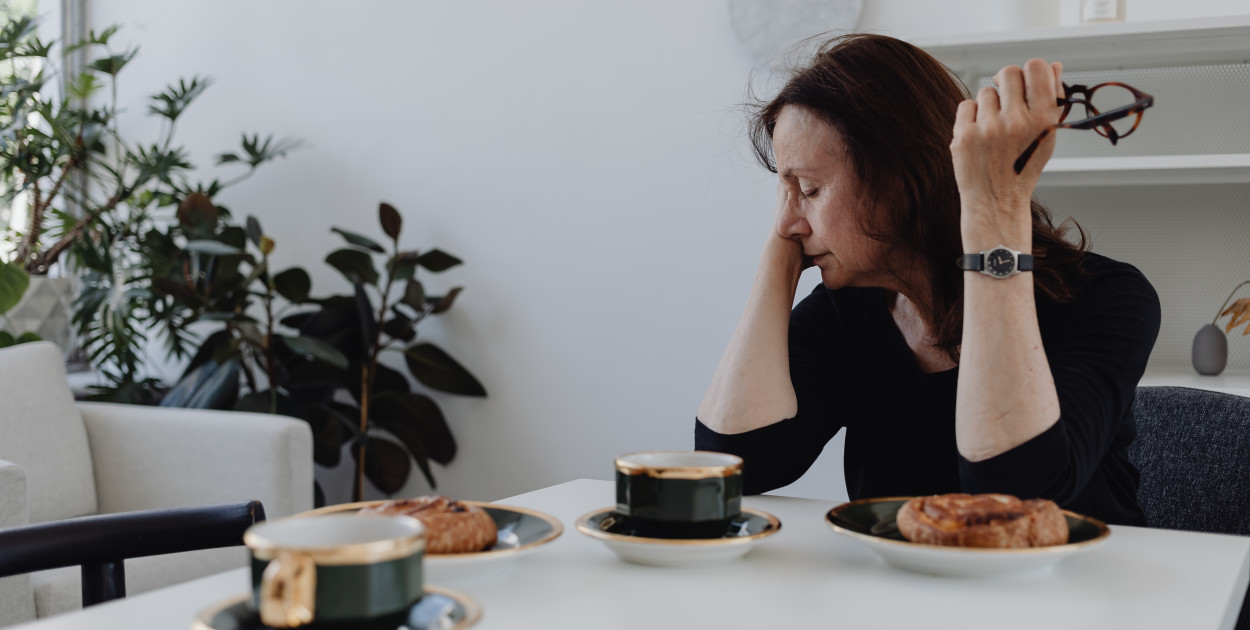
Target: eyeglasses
{"points": [[1112, 109]]}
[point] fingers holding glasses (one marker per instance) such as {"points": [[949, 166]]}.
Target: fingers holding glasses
{"points": [[1032, 91], [965, 116], [1010, 82], [992, 131], [987, 105], [1042, 85]]}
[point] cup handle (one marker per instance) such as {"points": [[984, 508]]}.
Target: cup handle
{"points": [[288, 590]]}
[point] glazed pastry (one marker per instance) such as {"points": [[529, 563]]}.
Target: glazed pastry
{"points": [[452, 526], [982, 520]]}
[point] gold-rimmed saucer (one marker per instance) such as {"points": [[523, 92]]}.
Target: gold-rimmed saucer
{"points": [[871, 523], [739, 539], [521, 531], [440, 608]]}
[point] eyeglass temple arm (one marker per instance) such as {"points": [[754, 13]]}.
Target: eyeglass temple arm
{"points": [[1069, 90], [1028, 153]]}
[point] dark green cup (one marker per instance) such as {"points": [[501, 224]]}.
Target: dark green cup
{"points": [[679, 494], [335, 569]]}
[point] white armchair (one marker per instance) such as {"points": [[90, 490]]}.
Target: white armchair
{"points": [[61, 459]]}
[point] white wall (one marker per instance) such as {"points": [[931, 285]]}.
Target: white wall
{"points": [[586, 160]]}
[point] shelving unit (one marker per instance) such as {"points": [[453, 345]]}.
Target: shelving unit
{"points": [[1102, 46], [1174, 201], [1220, 168], [1233, 382], [1121, 45]]}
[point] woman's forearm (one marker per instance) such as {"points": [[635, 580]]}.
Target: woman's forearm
{"points": [[751, 386], [1006, 394]]}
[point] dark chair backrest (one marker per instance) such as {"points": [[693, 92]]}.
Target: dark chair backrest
{"points": [[101, 544], [1193, 451]]}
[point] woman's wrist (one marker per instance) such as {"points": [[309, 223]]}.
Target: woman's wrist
{"points": [[982, 230], [784, 256]]}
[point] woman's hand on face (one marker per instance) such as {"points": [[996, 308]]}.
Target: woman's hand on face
{"points": [[783, 241], [990, 133]]}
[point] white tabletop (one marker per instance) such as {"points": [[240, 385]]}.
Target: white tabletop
{"points": [[804, 577]]}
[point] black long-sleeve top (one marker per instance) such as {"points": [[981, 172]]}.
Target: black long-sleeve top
{"points": [[851, 367]]}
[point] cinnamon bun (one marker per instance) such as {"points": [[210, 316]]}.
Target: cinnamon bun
{"points": [[451, 526], [982, 520]]}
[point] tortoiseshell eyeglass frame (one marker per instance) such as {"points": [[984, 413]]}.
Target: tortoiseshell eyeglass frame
{"points": [[1098, 121]]}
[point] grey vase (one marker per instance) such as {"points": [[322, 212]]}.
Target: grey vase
{"points": [[1210, 350]]}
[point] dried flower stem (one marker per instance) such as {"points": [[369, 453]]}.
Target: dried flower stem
{"points": [[1220, 312]]}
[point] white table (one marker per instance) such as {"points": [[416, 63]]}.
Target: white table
{"points": [[804, 577]]}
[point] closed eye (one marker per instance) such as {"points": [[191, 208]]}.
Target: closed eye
{"points": [[810, 192]]}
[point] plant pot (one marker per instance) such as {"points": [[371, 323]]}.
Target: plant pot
{"points": [[1210, 353], [45, 310]]}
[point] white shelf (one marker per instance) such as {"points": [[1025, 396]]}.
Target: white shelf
{"points": [[1230, 168], [1230, 382], [1101, 46]]}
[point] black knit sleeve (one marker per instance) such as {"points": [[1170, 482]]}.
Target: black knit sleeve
{"points": [[778, 454], [1097, 358]]}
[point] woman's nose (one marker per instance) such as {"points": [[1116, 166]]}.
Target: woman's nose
{"points": [[790, 223]]}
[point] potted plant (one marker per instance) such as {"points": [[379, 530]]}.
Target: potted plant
{"points": [[46, 142], [383, 401], [323, 363], [136, 263], [86, 192], [1210, 350]]}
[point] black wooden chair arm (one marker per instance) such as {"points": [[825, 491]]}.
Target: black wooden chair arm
{"points": [[101, 544]]}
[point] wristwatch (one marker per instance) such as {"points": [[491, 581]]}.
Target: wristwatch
{"points": [[999, 262]]}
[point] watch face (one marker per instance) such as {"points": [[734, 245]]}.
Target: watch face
{"points": [[1000, 263]]}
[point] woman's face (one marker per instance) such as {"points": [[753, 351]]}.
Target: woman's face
{"points": [[820, 203]]}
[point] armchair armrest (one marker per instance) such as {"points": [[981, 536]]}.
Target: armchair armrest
{"points": [[13, 511], [161, 457], [17, 599]]}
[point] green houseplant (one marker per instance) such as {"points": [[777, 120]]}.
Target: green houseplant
{"points": [[323, 363], [13, 283], [137, 264], [383, 397], [90, 193], [45, 142]]}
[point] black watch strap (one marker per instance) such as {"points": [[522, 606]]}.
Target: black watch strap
{"points": [[976, 262], [972, 262]]}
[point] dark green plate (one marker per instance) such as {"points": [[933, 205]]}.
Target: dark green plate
{"points": [[875, 517], [440, 608], [520, 529], [871, 522]]}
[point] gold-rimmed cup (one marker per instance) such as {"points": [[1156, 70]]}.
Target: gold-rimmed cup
{"points": [[335, 568], [679, 494]]}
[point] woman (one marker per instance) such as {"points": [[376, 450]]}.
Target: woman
{"points": [[946, 380]]}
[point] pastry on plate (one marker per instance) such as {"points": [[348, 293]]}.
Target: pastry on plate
{"points": [[982, 520], [451, 526]]}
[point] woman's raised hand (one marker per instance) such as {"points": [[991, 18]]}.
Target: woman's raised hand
{"points": [[783, 239], [990, 133]]}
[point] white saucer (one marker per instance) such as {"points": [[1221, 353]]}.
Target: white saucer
{"points": [[740, 538], [439, 609]]}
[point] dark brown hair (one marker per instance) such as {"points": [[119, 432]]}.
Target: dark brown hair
{"points": [[894, 107]]}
